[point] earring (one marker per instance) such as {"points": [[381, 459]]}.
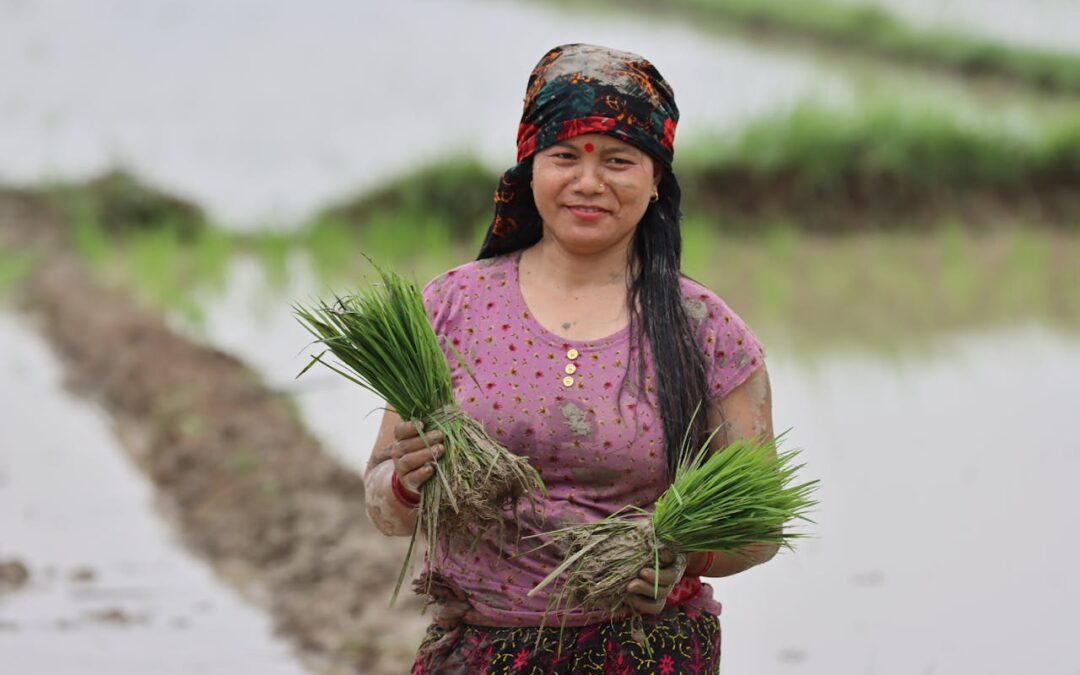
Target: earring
{"points": [[655, 196]]}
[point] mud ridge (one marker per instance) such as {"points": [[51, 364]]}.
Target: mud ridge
{"points": [[238, 474]]}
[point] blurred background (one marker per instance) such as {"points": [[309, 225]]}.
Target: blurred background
{"points": [[889, 194]]}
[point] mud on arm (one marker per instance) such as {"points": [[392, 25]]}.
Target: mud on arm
{"points": [[745, 413]]}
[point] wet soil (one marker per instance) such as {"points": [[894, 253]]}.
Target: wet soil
{"points": [[246, 484], [866, 203]]}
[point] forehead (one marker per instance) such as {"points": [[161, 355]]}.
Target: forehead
{"points": [[602, 143]]}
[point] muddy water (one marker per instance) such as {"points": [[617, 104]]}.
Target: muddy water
{"points": [[948, 490], [1049, 24], [254, 322], [265, 110], [111, 589], [946, 472]]}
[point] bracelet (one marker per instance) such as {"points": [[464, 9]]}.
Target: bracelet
{"points": [[686, 588], [403, 495], [710, 557]]}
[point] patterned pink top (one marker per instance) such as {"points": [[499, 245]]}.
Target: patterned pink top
{"points": [[596, 450]]}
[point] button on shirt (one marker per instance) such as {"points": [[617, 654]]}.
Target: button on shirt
{"points": [[576, 410]]}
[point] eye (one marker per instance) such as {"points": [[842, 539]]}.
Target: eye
{"points": [[620, 161], [563, 155]]}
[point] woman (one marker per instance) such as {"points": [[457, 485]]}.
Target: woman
{"points": [[591, 353]]}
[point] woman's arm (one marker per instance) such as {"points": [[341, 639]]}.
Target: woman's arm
{"points": [[398, 446], [746, 412]]}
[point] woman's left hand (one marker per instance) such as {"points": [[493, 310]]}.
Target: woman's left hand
{"points": [[640, 593]]}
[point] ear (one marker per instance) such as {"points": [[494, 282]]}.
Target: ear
{"points": [[658, 173]]}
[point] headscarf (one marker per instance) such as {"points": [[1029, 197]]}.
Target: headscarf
{"points": [[581, 89]]}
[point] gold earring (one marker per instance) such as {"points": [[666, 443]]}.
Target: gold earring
{"points": [[655, 196]]}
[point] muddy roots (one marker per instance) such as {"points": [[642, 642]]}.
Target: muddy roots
{"points": [[476, 481], [602, 559]]}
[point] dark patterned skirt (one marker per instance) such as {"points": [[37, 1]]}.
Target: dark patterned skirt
{"points": [[681, 640]]}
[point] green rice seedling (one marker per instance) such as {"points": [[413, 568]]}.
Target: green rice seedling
{"points": [[383, 342], [740, 495]]}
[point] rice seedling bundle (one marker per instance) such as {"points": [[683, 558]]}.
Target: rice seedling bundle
{"points": [[383, 342], [740, 495]]}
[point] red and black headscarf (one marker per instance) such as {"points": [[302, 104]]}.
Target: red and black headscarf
{"points": [[581, 89]]}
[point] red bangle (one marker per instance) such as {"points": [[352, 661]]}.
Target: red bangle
{"points": [[709, 558], [686, 588], [403, 495]]}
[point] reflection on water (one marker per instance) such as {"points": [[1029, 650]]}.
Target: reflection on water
{"points": [[1049, 24], [253, 320], [944, 471], [812, 294], [267, 110], [947, 502], [944, 477], [110, 588]]}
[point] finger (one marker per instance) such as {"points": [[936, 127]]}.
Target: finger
{"points": [[414, 480], [668, 575], [400, 449], [645, 589], [405, 429], [644, 605], [666, 557], [415, 460], [417, 442]]}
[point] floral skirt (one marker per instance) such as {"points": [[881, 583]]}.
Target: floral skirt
{"points": [[681, 640]]}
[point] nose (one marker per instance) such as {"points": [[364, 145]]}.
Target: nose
{"points": [[589, 180]]}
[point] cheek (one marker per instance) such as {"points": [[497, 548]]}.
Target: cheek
{"points": [[546, 189]]}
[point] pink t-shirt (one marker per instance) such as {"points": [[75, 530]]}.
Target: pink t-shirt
{"points": [[596, 450]]}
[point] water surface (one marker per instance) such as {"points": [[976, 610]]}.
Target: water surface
{"points": [[1046, 24], [946, 483], [263, 111], [112, 589]]}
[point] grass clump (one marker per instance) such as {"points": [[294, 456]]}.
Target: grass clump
{"points": [[452, 196], [15, 266], [740, 495], [384, 343], [119, 204]]}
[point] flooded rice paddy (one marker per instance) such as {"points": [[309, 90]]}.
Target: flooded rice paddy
{"points": [[111, 589], [946, 482], [942, 443]]}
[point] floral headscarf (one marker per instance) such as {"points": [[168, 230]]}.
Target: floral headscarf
{"points": [[580, 89]]}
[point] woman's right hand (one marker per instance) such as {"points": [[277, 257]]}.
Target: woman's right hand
{"points": [[414, 462]]}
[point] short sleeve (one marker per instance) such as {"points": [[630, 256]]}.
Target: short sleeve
{"points": [[440, 306], [732, 351]]}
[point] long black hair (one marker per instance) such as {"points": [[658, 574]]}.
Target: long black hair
{"points": [[681, 372], [655, 257]]}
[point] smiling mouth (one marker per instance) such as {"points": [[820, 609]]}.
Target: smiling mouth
{"points": [[587, 209]]}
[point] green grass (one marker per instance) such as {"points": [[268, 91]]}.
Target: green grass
{"points": [[921, 149], [739, 496], [15, 266], [453, 196], [888, 164], [382, 341], [884, 291]]}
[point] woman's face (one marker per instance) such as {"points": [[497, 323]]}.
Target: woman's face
{"points": [[592, 190]]}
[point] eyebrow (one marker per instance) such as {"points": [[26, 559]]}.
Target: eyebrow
{"points": [[604, 151]]}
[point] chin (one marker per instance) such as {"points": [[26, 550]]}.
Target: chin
{"points": [[586, 243]]}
